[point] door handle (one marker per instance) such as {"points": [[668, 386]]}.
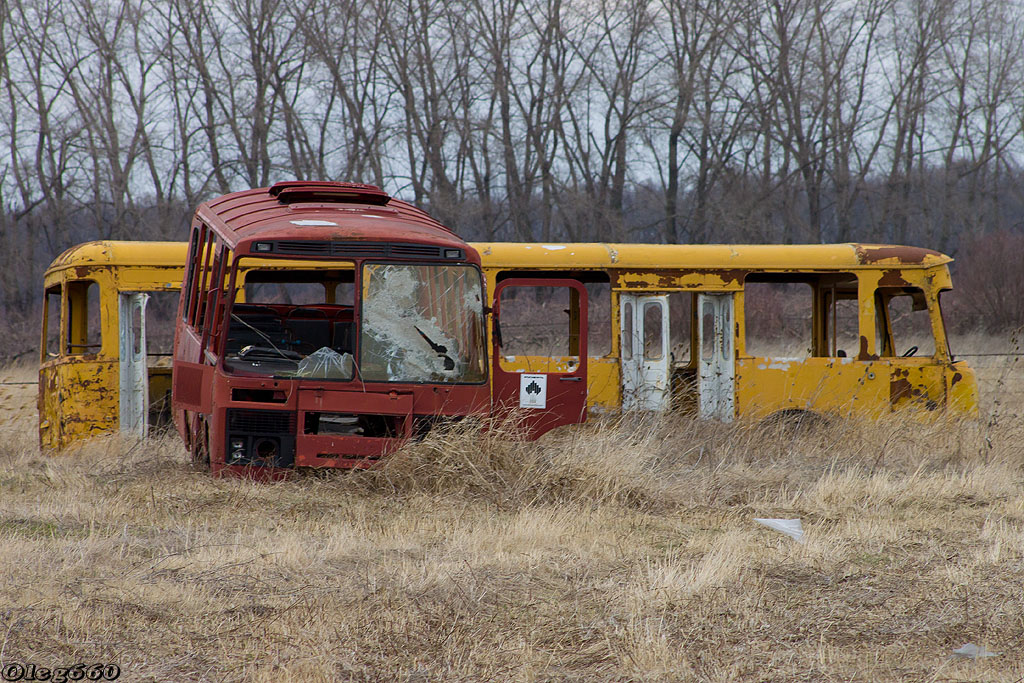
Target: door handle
{"points": [[570, 379]]}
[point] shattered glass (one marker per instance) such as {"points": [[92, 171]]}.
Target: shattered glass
{"points": [[422, 323], [326, 363]]}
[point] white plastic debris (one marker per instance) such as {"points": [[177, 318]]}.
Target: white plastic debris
{"points": [[972, 651], [326, 363], [791, 527]]}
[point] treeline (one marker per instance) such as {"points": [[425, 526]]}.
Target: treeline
{"points": [[631, 120]]}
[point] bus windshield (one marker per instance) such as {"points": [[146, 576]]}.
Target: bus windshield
{"points": [[418, 323], [422, 323]]}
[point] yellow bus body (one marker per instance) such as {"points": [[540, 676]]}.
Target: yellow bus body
{"points": [[871, 380], [79, 372], [79, 387]]}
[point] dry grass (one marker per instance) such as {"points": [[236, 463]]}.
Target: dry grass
{"points": [[617, 551]]}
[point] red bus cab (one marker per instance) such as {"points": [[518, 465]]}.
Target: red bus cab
{"points": [[321, 324]]}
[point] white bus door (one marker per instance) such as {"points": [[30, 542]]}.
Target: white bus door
{"points": [[717, 380], [134, 383], [644, 344]]}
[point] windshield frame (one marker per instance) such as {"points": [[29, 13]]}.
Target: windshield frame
{"points": [[361, 322]]}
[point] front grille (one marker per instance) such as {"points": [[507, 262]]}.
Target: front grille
{"points": [[415, 250], [297, 247], [359, 249], [261, 421]]}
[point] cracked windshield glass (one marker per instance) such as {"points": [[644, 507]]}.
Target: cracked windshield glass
{"points": [[422, 323]]}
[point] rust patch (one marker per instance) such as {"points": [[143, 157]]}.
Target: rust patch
{"points": [[900, 389], [892, 278], [956, 378], [875, 254], [864, 355], [669, 278]]}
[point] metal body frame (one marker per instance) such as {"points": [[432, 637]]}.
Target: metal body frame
{"points": [[260, 425]]}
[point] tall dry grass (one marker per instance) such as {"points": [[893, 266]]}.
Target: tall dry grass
{"points": [[621, 550]]}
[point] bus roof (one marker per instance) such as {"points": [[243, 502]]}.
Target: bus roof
{"points": [[582, 255], [122, 253], [321, 212], [712, 256]]}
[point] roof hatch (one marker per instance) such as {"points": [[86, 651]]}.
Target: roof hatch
{"points": [[292, 191]]}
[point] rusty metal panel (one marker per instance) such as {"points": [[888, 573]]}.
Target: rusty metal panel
{"points": [[837, 386], [921, 386]]}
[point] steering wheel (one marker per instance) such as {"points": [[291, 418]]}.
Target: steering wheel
{"points": [[910, 352]]}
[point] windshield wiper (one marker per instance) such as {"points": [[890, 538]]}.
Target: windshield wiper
{"points": [[442, 351]]}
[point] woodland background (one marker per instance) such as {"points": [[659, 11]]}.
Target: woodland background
{"points": [[682, 121]]}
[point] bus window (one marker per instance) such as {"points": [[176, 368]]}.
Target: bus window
{"points": [[291, 293], [83, 315], [189, 282], [160, 312], [652, 332], [51, 321], [844, 335], [627, 331], [910, 323], [778, 318], [680, 315], [599, 321]]}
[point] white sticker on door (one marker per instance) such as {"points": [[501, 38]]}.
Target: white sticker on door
{"points": [[533, 391]]}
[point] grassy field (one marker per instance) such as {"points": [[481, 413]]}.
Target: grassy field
{"points": [[616, 551]]}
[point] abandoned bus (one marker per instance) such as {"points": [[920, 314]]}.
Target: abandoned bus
{"points": [[320, 325], [107, 334], [723, 331], [727, 331]]}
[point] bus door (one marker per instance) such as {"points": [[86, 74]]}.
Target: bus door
{"points": [[644, 341], [717, 359], [540, 352], [134, 384]]}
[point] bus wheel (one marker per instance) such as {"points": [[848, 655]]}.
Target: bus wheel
{"points": [[201, 447], [795, 421]]}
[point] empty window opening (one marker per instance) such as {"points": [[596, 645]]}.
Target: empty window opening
{"points": [[51, 319], [540, 329], [283, 316], [535, 321], [910, 324], [161, 310], [599, 318], [680, 327], [800, 315], [84, 333], [778, 319], [653, 331]]}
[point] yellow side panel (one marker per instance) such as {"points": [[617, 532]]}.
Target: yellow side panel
{"points": [[921, 387], [79, 400], [962, 389], [48, 404], [765, 386]]}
